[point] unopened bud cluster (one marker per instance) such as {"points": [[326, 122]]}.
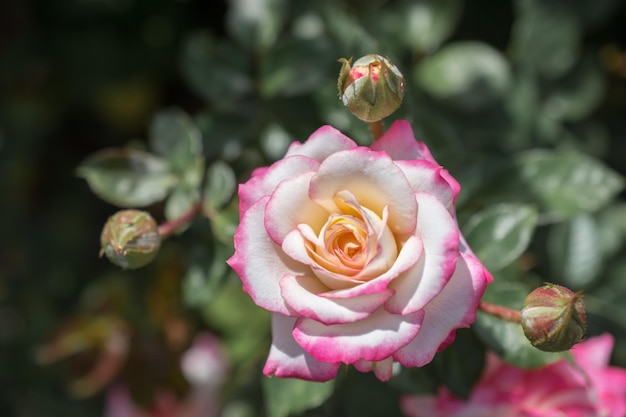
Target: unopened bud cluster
{"points": [[372, 88], [554, 318], [130, 239]]}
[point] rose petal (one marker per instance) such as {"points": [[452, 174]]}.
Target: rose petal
{"points": [[400, 144], [301, 294], [452, 182], [612, 390], [373, 339], [382, 369], [259, 262], [367, 175], [454, 307], [294, 246], [322, 143], [594, 353], [382, 249], [409, 254], [440, 237], [265, 181], [287, 359], [290, 205], [428, 177]]}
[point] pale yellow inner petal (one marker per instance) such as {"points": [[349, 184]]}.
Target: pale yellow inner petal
{"points": [[354, 245]]}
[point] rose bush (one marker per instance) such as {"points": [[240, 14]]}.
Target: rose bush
{"points": [[357, 253], [590, 388]]}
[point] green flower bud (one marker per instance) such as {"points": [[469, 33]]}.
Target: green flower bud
{"points": [[554, 318], [130, 239], [372, 88]]}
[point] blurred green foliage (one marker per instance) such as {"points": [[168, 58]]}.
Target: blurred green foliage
{"points": [[166, 104]]}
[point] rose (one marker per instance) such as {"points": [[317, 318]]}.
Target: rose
{"points": [[357, 253], [591, 388]]}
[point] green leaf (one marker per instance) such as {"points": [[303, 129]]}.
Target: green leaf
{"points": [[500, 234], [216, 70], [562, 184], [523, 102], [546, 36], [127, 177], [297, 66], [256, 25], [575, 254], [194, 174], [180, 201], [508, 341], [205, 274], [174, 135], [468, 75], [573, 97], [611, 224], [506, 338], [219, 186], [275, 141], [245, 326], [225, 224], [284, 397], [348, 31], [607, 300], [225, 133], [422, 25]]}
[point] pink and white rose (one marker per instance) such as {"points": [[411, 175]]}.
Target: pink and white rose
{"points": [[357, 252], [591, 388]]}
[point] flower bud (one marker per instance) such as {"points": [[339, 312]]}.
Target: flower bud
{"points": [[554, 318], [372, 88], [130, 239]]}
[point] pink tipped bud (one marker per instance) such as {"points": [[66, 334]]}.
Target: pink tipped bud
{"points": [[372, 88], [554, 318], [130, 239]]}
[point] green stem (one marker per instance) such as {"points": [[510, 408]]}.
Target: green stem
{"points": [[170, 227], [502, 312], [377, 129]]}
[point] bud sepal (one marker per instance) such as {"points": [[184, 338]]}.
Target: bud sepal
{"points": [[553, 318], [130, 239], [372, 88]]}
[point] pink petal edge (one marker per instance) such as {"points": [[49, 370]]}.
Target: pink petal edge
{"points": [[366, 174], [259, 262], [265, 180], [287, 359], [301, 293], [453, 308], [322, 143], [440, 237], [374, 338], [400, 144]]}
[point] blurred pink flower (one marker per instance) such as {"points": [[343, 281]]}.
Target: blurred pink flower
{"points": [[204, 365], [357, 252], [590, 388]]}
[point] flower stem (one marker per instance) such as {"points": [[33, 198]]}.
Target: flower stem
{"points": [[502, 312], [377, 129], [168, 228]]}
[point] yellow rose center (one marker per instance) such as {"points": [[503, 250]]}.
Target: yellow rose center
{"points": [[353, 246], [345, 237]]}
